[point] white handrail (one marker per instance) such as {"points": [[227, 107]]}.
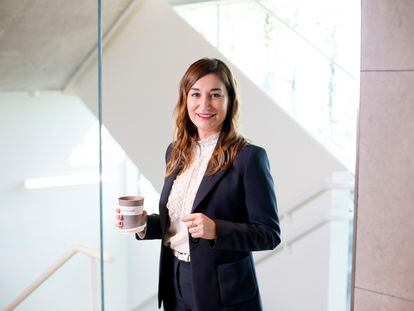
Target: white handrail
{"points": [[312, 195], [93, 254], [303, 233]]}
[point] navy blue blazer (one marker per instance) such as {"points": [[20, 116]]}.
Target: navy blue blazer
{"points": [[242, 203]]}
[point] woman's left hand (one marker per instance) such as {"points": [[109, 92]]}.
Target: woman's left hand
{"points": [[200, 226]]}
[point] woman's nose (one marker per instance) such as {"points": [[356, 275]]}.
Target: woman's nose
{"points": [[205, 101]]}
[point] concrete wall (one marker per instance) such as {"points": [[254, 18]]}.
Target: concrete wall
{"points": [[384, 257]]}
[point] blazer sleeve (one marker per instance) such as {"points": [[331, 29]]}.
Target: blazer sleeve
{"points": [[262, 232], [153, 228]]}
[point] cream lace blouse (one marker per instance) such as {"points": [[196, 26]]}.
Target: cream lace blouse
{"points": [[183, 192]]}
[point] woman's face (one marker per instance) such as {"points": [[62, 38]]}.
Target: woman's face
{"points": [[207, 103]]}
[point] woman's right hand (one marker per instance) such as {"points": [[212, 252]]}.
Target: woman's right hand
{"points": [[119, 218]]}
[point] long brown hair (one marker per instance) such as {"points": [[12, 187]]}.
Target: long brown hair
{"points": [[229, 142]]}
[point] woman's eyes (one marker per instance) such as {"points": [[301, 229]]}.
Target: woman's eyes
{"points": [[214, 95]]}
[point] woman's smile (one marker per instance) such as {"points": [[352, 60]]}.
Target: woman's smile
{"points": [[205, 116]]}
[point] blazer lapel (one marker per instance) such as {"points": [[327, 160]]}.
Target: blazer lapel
{"points": [[206, 185]]}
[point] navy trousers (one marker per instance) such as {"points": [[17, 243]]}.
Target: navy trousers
{"points": [[182, 298]]}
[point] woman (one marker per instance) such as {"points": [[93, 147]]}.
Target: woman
{"points": [[217, 204]]}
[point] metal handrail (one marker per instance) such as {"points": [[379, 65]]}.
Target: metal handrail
{"points": [[303, 233], [312, 195], [93, 254]]}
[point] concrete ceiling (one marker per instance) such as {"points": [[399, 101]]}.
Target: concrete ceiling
{"points": [[44, 42]]}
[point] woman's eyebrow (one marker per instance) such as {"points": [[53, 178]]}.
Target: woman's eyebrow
{"points": [[197, 89]]}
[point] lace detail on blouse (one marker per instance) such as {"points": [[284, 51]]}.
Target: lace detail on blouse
{"points": [[186, 185], [184, 190]]}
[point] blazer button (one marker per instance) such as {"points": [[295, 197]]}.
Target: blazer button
{"points": [[194, 240]]}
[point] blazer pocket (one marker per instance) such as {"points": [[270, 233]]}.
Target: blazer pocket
{"points": [[237, 281]]}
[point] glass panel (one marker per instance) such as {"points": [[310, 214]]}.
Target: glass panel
{"points": [[49, 195]]}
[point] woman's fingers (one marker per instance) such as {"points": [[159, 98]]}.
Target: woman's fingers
{"points": [[194, 230], [119, 223], [200, 226], [119, 218], [192, 220]]}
